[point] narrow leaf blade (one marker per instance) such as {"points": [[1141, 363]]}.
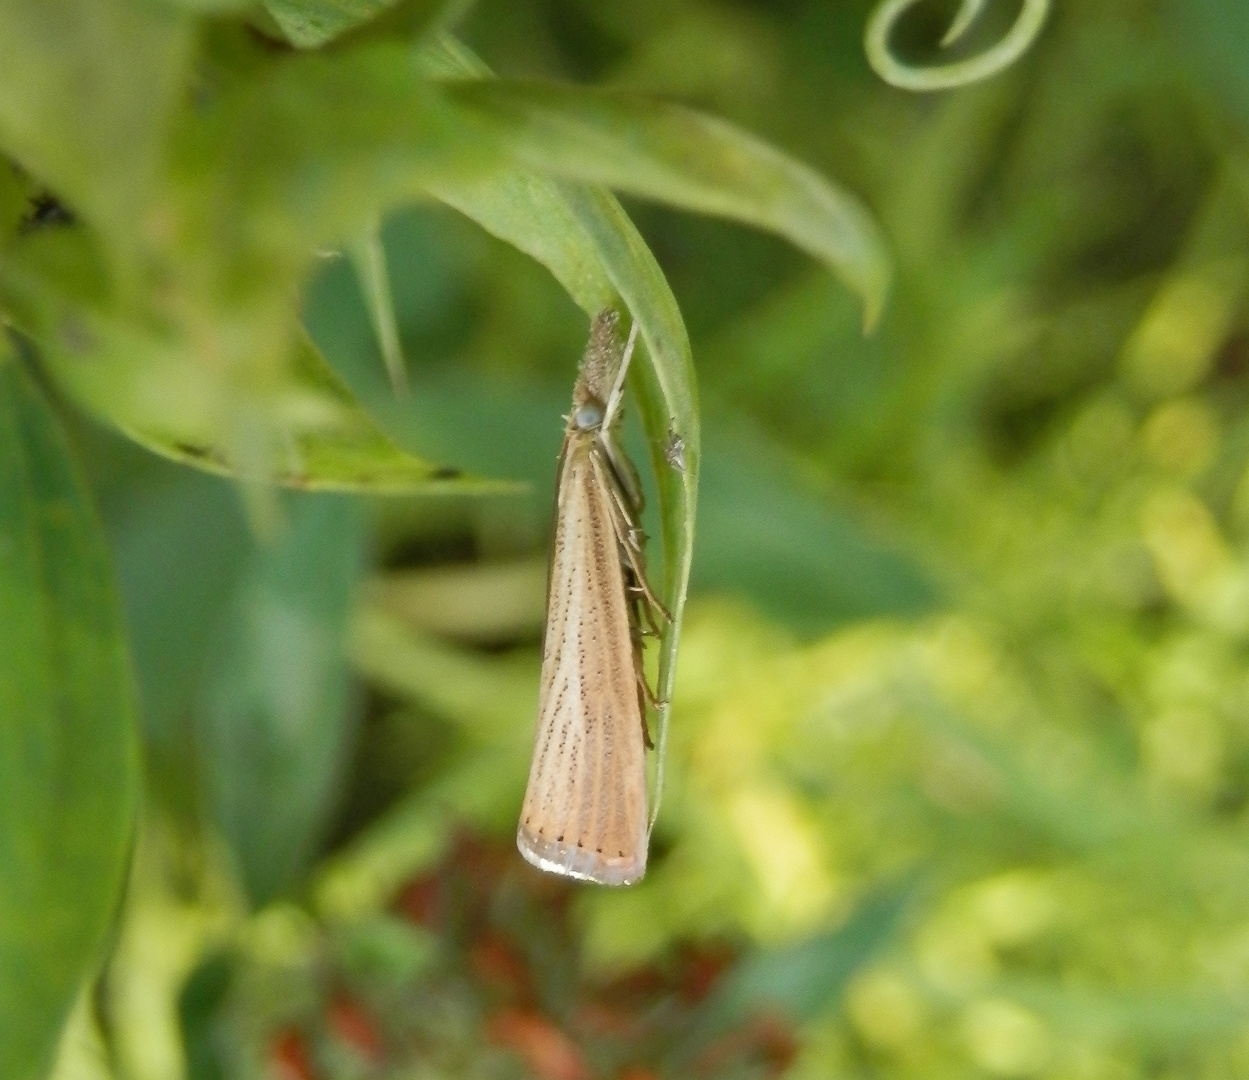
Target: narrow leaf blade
{"points": [[68, 753], [368, 255], [275, 717], [675, 155], [584, 237], [309, 24]]}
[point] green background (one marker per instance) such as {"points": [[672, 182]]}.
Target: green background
{"points": [[957, 776]]}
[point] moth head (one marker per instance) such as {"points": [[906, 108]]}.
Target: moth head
{"points": [[588, 415]]}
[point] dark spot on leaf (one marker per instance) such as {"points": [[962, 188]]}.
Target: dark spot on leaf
{"points": [[446, 472], [192, 451], [76, 336], [201, 98], [46, 210]]}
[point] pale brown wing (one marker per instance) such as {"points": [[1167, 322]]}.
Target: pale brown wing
{"points": [[584, 813]]}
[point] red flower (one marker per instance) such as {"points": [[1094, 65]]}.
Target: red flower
{"points": [[421, 901], [496, 964], [353, 1026], [547, 1050], [288, 1056]]}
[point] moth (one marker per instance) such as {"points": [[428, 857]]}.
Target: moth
{"points": [[585, 808]]}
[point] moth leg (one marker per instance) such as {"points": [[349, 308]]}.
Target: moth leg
{"points": [[644, 691], [648, 612], [647, 741], [645, 694], [623, 474], [651, 696], [635, 559], [626, 533], [636, 565], [640, 610], [652, 699]]}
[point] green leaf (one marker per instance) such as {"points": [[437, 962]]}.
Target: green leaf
{"points": [[308, 150], [68, 754], [274, 720], [584, 237], [368, 255], [321, 144], [179, 547], [668, 402], [480, 694], [675, 155], [284, 416], [200, 1005], [803, 980], [212, 7], [330, 442], [791, 550], [74, 114], [308, 24], [83, 1052], [1212, 33]]}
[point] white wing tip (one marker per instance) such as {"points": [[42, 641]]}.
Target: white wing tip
{"points": [[574, 861]]}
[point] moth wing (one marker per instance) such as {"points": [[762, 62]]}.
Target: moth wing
{"points": [[584, 813]]}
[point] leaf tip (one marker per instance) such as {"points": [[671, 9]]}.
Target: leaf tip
{"points": [[876, 297]]}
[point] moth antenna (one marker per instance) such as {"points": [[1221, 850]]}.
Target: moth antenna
{"points": [[617, 390]]}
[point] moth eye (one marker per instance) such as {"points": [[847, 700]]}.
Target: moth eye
{"points": [[587, 417]]}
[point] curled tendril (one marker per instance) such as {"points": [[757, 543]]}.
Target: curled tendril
{"points": [[946, 76]]}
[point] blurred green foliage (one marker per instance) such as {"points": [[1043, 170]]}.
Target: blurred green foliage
{"points": [[959, 756], [69, 782]]}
